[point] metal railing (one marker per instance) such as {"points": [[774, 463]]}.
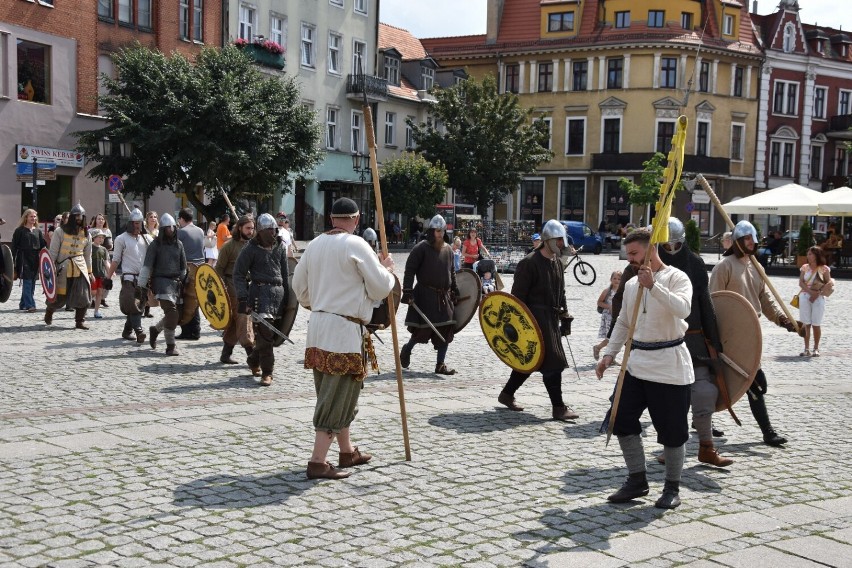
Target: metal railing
{"points": [[373, 86]]}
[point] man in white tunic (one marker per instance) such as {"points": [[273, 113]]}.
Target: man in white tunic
{"points": [[659, 371], [340, 279]]}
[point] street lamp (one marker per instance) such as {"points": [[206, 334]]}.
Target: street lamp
{"points": [[106, 148], [361, 165]]}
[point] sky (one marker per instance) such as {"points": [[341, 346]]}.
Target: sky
{"points": [[435, 18]]}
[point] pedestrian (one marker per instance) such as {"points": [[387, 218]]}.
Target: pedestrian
{"points": [[164, 271], [726, 240], [431, 263], [815, 283], [536, 241], [211, 251], [286, 234], [27, 242], [605, 310], [371, 237], [414, 230], [100, 260], [260, 281], [659, 371], [472, 249], [539, 283], [152, 223], [239, 329], [223, 231], [192, 237], [100, 223], [71, 251], [129, 253], [456, 253], [735, 272], [339, 278]]}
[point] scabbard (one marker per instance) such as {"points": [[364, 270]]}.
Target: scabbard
{"points": [[720, 381]]}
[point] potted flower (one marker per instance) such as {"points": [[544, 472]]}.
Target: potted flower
{"points": [[264, 51], [806, 241]]}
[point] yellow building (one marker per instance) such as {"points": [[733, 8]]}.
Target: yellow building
{"points": [[611, 78]]}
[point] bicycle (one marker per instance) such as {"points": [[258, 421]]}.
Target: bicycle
{"points": [[583, 271]]}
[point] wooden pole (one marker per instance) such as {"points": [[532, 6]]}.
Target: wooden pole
{"points": [[377, 191], [757, 266], [230, 206]]}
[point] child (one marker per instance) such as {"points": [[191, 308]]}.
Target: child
{"points": [[99, 268], [605, 309], [488, 284], [457, 254]]}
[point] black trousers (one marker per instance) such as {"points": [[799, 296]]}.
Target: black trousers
{"points": [[552, 382], [667, 404]]}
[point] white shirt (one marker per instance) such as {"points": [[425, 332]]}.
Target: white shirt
{"points": [[129, 252], [339, 275], [662, 317]]}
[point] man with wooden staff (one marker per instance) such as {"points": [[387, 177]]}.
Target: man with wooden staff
{"points": [[340, 279], [659, 370], [736, 273], [239, 328]]}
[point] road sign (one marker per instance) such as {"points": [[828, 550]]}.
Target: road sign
{"points": [[26, 168], [115, 184], [700, 196], [40, 182], [113, 198], [690, 206]]}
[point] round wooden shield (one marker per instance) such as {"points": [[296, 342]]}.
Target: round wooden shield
{"points": [[212, 297], [190, 299], [381, 318], [47, 274], [511, 331], [290, 309], [742, 342], [470, 289], [8, 273]]}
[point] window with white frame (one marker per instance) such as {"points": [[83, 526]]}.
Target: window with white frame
{"points": [[359, 58], [334, 43], [307, 47], [357, 131], [409, 133], [728, 25], [611, 139], [427, 77], [665, 132], [361, 6], [198, 20], [575, 136], [843, 102], [781, 158], [737, 141], [391, 66], [331, 115], [183, 19], [789, 38], [278, 30], [816, 161], [390, 128], [247, 22], [702, 138], [819, 101], [668, 72], [786, 98]]}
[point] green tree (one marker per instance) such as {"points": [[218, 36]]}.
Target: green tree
{"points": [[486, 141], [412, 186], [217, 121], [693, 236], [806, 239], [647, 191]]}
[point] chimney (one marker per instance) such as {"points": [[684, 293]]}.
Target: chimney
{"points": [[754, 7], [495, 15]]}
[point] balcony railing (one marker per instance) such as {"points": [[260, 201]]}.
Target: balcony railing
{"points": [[374, 87], [632, 161]]}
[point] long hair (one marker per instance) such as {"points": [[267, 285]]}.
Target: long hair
{"points": [[95, 222], [26, 214], [236, 231], [72, 229], [148, 216], [819, 255]]}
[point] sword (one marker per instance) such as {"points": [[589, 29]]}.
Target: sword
{"points": [[572, 357], [730, 363], [429, 323], [258, 319]]}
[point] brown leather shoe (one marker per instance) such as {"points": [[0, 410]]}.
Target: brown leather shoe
{"points": [[140, 336], [81, 325], [353, 458], [564, 413], [171, 350], [442, 369], [266, 380], [708, 454], [325, 471], [509, 401], [255, 371], [48, 317]]}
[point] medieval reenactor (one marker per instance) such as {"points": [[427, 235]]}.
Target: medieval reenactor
{"points": [[260, 280], [71, 251], [239, 329], [165, 271], [129, 249], [431, 301], [539, 283], [736, 273]]}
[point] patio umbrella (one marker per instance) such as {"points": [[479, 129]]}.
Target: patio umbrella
{"points": [[837, 202]]}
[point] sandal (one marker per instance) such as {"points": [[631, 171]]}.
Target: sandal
{"points": [[815, 353], [805, 353]]}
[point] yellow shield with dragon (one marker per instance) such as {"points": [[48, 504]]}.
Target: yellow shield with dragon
{"points": [[212, 297], [511, 331]]}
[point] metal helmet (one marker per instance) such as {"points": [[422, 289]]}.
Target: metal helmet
{"points": [[437, 222], [744, 228], [370, 235], [677, 232], [77, 210], [553, 229], [266, 221], [136, 215], [165, 221]]}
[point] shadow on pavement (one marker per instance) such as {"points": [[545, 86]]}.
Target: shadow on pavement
{"points": [[586, 431], [176, 367], [244, 382], [241, 491], [24, 328], [487, 421]]}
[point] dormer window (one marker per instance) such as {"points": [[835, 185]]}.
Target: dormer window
{"points": [[560, 22], [819, 47], [391, 66], [789, 38], [427, 77]]}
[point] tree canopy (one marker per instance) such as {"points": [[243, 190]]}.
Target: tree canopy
{"points": [[217, 121], [647, 191], [412, 186], [486, 141]]}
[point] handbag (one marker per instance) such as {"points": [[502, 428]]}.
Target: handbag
{"points": [[795, 301]]}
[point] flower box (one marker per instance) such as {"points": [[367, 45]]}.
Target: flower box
{"points": [[264, 57]]}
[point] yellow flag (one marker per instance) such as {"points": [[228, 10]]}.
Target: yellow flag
{"points": [[671, 175]]}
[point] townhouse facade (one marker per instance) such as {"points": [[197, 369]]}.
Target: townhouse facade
{"points": [[610, 79], [51, 55]]}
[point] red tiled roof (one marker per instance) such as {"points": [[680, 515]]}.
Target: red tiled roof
{"points": [[405, 90], [406, 44], [521, 21]]}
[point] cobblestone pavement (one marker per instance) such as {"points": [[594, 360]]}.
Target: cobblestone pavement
{"points": [[112, 454]]}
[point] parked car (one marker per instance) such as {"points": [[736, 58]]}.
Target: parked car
{"points": [[583, 236], [818, 237]]}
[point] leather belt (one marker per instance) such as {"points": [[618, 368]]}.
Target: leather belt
{"points": [[655, 345]]}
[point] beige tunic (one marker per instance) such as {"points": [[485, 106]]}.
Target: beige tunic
{"points": [[734, 275]]}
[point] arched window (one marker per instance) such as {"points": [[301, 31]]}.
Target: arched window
{"points": [[789, 37]]}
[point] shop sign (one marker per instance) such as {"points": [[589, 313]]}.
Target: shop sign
{"points": [[60, 157]]}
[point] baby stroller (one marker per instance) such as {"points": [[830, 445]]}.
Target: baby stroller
{"points": [[489, 267]]}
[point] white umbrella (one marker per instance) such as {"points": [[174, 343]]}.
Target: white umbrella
{"points": [[837, 202]]}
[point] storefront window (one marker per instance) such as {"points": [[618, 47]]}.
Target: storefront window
{"points": [[616, 206], [532, 201], [54, 197], [701, 215], [572, 200], [33, 72]]}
